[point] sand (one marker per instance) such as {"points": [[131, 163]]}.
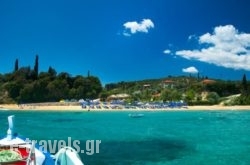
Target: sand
{"points": [[76, 107]]}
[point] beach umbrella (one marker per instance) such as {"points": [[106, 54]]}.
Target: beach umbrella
{"points": [[81, 101]]}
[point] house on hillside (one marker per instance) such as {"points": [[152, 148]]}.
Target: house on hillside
{"points": [[208, 82], [146, 86], [168, 84], [120, 96]]}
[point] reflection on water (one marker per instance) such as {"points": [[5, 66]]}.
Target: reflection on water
{"points": [[129, 152]]}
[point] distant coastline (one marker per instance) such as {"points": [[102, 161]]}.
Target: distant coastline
{"points": [[74, 107]]}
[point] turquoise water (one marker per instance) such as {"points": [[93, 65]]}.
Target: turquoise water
{"points": [[158, 138]]}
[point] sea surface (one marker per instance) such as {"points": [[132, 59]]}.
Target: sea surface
{"points": [[157, 138]]}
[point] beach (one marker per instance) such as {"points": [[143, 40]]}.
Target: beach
{"points": [[56, 106]]}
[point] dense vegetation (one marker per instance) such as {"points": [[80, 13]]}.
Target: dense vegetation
{"points": [[193, 90], [26, 85], [244, 98]]}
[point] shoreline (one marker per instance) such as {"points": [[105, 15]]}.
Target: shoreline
{"points": [[73, 107]]}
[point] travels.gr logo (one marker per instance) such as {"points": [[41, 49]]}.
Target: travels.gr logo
{"points": [[52, 146]]}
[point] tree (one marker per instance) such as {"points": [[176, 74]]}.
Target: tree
{"points": [[77, 91], [190, 95], [88, 73], [52, 72], [14, 89], [36, 67], [26, 94], [244, 85], [93, 86], [16, 66], [57, 89], [23, 74], [213, 98]]}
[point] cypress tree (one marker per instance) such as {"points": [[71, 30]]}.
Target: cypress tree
{"points": [[16, 65], [36, 66], [244, 85], [88, 73]]}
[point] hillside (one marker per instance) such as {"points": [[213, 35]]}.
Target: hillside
{"points": [[27, 85], [193, 90]]}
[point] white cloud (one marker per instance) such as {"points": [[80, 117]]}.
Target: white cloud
{"points": [[225, 47], [126, 34], [134, 27], [167, 51], [190, 69], [192, 37]]}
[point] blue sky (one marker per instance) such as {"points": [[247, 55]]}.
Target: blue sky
{"points": [[119, 40]]}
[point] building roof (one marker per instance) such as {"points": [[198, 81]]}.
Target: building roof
{"points": [[168, 81], [208, 81], [119, 96]]}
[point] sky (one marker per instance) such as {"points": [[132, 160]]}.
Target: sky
{"points": [[118, 40]]}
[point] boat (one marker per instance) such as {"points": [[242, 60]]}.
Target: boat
{"points": [[135, 115], [15, 150]]}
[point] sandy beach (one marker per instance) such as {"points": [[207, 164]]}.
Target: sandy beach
{"points": [[76, 107]]}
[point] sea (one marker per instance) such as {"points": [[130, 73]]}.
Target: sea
{"points": [[154, 138]]}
